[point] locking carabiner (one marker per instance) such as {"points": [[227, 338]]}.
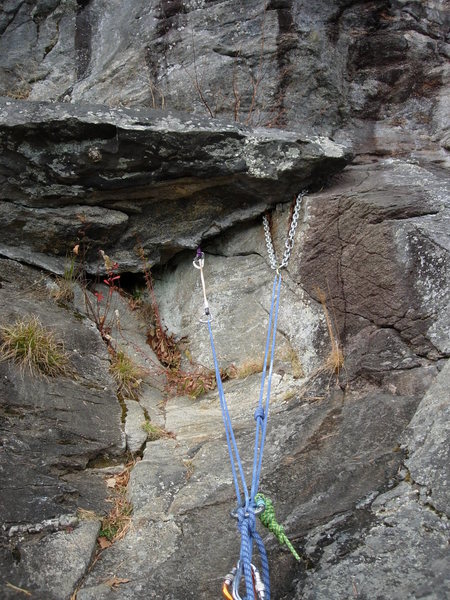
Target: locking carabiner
{"points": [[233, 579], [227, 582], [258, 585]]}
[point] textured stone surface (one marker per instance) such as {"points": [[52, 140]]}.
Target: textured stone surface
{"points": [[376, 243], [237, 309], [185, 487], [331, 464], [150, 538], [134, 430], [427, 441], [278, 63], [404, 552], [401, 540], [51, 427], [373, 75], [379, 243], [51, 566], [114, 179]]}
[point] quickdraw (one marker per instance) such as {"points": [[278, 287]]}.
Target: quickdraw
{"points": [[250, 504], [230, 581]]}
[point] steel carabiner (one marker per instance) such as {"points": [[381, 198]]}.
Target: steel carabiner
{"points": [[199, 263], [199, 260], [227, 582], [259, 589]]}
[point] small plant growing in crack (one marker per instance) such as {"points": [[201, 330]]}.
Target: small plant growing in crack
{"points": [[190, 468], [126, 373], [65, 284], [154, 432], [192, 384], [335, 360], [333, 364], [117, 522], [34, 348], [247, 368], [100, 310]]}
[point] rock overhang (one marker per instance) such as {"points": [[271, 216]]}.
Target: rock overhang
{"points": [[164, 180]]}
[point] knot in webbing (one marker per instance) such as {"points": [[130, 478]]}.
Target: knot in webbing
{"points": [[267, 518], [259, 413]]}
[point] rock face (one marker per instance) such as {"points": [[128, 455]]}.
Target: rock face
{"points": [[383, 251], [108, 129], [407, 528], [51, 430], [110, 178], [54, 564], [73, 419], [276, 63], [426, 436]]}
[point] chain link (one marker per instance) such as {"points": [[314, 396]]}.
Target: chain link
{"points": [[289, 243], [269, 244]]}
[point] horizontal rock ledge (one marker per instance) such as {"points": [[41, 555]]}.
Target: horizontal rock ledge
{"points": [[121, 177]]}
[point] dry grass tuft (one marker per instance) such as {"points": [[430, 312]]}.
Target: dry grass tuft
{"points": [[190, 468], [19, 93], [87, 515], [247, 368], [335, 359], [154, 432], [34, 348], [64, 293], [117, 522], [333, 364], [290, 355], [127, 374], [66, 283]]}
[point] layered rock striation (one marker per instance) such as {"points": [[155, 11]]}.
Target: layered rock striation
{"points": [[119, 179]]}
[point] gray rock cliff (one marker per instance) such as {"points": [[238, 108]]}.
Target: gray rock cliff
{"points": [[165, 124]]}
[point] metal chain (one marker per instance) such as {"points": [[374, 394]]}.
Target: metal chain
{"points": [[289, 244], [269, 243]]}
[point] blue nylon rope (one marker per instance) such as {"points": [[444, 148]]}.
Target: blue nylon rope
{"points": [[246, 510], [257, 466], [231, 440], [259, 413], [245, 527]]}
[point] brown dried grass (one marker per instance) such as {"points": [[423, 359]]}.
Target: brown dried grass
{"points": [[117, 522], [33, 348]]}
